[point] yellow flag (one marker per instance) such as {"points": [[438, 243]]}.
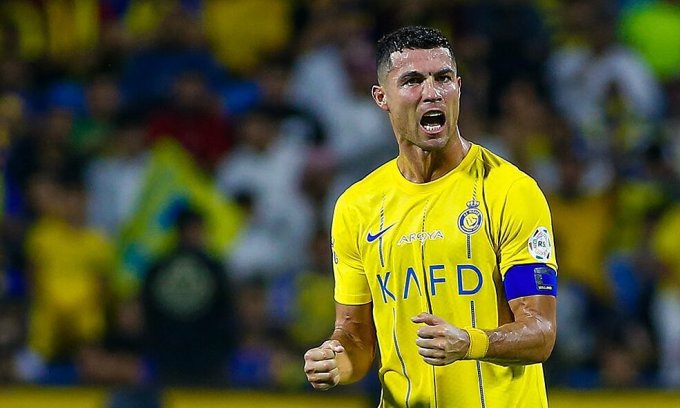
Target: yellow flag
{"points": [[173, 182]]}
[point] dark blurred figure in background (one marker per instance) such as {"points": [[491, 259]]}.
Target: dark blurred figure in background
{"points": [[12, 339], [45, 149], [273, 80], [188, 310], [191, 117], [525, 131], [176, 46], [92, 130], [516, 40], [261, 359]]}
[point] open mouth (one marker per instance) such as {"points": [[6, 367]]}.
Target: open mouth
{"points": [[433, 121]]}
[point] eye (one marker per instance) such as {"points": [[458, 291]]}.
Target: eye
{"points": [[444, 78], [412, 81]]}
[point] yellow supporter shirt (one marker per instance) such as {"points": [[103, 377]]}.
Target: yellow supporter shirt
{"points": [[68, 266], [582, 227], [243, 32], [665, 247], [442, 247]]}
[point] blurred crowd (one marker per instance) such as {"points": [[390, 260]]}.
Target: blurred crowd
{"points": [[170, 168]]}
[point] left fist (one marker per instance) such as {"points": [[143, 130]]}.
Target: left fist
{"points": [[439, 342]]}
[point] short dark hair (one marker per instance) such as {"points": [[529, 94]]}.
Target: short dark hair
{"points": [[410, 37]]}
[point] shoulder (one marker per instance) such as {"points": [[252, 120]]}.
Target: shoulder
{"points": [[504, 184], [499, 173], [363, 193]]}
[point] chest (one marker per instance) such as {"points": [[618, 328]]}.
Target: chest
{"points": [[434, 248]]}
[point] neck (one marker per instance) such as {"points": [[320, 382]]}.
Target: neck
{"points": [[422, 166]]}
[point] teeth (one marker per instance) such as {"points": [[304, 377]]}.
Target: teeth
{"points": [[433, 114], [433, 121]]}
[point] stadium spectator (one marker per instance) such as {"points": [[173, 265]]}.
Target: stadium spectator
{"points": [[178, 47], [584, 279], [192, 117], [188, 310], [114, 179], [341, 64], [70, 272], [265, 171], [92, 130], [583, 240], [237, 43], [298, 303], [616, 91], [525, 131], [264, 357], [516, 42], [273, 80]]}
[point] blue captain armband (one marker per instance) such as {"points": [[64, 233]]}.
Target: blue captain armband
{"points": [[529, 280]]}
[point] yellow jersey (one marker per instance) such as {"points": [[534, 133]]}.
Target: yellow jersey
{"points": [[442, 247], [69, 265]]}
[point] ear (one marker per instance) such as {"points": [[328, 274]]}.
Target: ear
{"points": [[380, 98]]}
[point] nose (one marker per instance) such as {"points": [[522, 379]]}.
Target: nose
{"points": [[431, 93]]}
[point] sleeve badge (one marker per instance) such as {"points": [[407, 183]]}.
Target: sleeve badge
{"points": [[540, 244]]}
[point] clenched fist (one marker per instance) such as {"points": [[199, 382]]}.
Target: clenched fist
{"points": [[321, 365], [440, 343]]}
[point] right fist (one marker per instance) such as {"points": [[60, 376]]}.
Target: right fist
{"points": [[321, 365]]}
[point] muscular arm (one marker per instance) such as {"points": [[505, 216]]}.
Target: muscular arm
{"points": [[530, 337], [355, 330], [348, 354]]}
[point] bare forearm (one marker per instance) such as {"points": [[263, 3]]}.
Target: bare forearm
{"points": [[357, 358], [530, 338], [354, 329], [520, 343]]}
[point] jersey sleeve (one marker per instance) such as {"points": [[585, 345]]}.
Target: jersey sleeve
{"points": [[351, 285], [526, 235]]}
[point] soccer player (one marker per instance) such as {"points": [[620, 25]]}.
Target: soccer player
{"points": [[443, 255]]}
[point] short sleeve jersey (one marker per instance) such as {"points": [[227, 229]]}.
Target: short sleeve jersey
{"points": [[442, 247]]}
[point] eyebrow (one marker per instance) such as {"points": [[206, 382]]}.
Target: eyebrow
{"points": [[444, 72], [415, 74]]}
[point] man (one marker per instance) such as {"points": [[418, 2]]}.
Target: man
{"points": [[443, 254], [188, 309]]}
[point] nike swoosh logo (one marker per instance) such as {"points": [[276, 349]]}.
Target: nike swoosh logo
{"points": [[370, 237]]}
